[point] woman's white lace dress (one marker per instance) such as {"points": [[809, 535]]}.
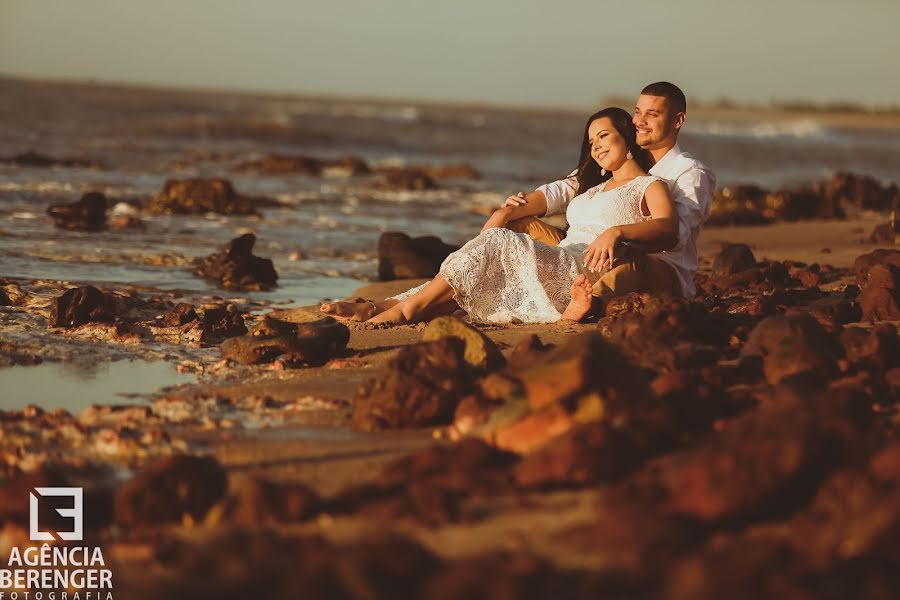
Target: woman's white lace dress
{"points": [[506, 277]]}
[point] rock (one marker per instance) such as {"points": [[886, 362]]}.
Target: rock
{"points": [[403, 257], [829, 310], [312, 343], [168, 490], [453, 171], [201, 196], [864, 263], [87, 214], [633, 302], [11, 294], [880, 296], [480, 351], [860, 191], [182, 313], [795, 205], [346, 166], [259, 502], [421, 386], [877, 348], [527, 352], [790, 345], [733, 258], [764, 464], [219, 323], [739, 205], [275, 164], [77, 306], [34, 159], [237, 268], [404, 179], [884, 234]]}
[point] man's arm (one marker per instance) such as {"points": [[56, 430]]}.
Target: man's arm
{"points": [[692, 194]]}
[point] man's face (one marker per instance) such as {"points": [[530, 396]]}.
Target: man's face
{"points": [[656, 126]]}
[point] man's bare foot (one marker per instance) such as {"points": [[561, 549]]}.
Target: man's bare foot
{"points": [[355, 311], [582, 300]]}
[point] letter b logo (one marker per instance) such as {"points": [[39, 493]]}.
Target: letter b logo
{"points": [[76, 513]]}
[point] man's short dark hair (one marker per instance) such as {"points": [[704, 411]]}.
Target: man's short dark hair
{"points": [[671, 92]]}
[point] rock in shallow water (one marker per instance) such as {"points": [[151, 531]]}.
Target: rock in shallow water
{"points": [[237, 268], [201, 196], [87, 214], [310, 343], [78, 306]]}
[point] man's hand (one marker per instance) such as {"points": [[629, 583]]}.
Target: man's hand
{"points": [[601, 252]]}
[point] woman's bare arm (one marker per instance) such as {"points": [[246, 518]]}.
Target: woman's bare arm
{"points": [[535, 205]]}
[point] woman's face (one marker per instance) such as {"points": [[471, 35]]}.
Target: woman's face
{"points": [[608, 148]]}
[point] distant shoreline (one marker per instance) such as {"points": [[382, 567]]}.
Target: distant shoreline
{"points": [[838, 115]]}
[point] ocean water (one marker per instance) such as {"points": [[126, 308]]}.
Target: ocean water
{"points": [[323, 242]]}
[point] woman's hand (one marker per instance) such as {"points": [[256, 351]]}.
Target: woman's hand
{"points": [[517, 200], [500, 218], [601, 252]]}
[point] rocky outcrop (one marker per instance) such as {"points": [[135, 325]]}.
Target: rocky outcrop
{"points": [[87, 214]]}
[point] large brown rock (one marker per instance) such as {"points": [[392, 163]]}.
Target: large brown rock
{"points": [[480, 351], [78, 306], [311, 343], [169, 490], [404, 179], [237, 268], [260, 502], [403, 257], [87, 214], [790, 345], [733, 258], [860, 191], [878, 274], [421, 386], [201, 196]]}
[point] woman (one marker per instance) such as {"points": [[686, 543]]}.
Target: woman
{"points": [[506, 277]]}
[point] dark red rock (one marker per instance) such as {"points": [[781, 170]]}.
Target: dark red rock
{"points": [[403, 257], [260, 502], [237, 268], [859, 191], [219, 323], [35, 159], [313, 343], [200, 196], [78, 306], [878, 348], [275, 164], [739, 205], [733, 258], [790, 345], [404, 179], [421, 386], [889, 258], [168, 490], [87, 214], [880, 298], [182, 313]]}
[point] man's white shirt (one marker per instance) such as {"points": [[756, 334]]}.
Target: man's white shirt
{"points": [[691, 184]]}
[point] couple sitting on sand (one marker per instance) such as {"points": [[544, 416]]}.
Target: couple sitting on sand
{"points": [[634, 204]]}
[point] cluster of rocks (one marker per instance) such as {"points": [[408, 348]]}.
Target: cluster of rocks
{"points": [[197, 196], [310, 344], [831, 199], [412, 177]]}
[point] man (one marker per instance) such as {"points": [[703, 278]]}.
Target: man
{"points": [[658, 117]]}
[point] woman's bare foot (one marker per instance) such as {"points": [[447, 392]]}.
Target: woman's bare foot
{"points": [[582, 300], [355, 311], [391, 316]]}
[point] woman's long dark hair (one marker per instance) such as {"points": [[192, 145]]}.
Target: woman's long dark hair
{"points": [[588, 171]]}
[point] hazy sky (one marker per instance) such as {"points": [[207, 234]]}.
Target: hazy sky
{"points": [[551, 52]]}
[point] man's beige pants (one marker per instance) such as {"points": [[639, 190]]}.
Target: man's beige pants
{"points": [[639, 273]]}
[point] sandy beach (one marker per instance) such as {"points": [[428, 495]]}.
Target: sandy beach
{"points": [[744, 442]]}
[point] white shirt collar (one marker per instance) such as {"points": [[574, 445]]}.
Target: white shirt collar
{"points": [[665, 163]]}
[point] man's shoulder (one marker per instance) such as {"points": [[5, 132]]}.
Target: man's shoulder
{"points": [[685, 163]]}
